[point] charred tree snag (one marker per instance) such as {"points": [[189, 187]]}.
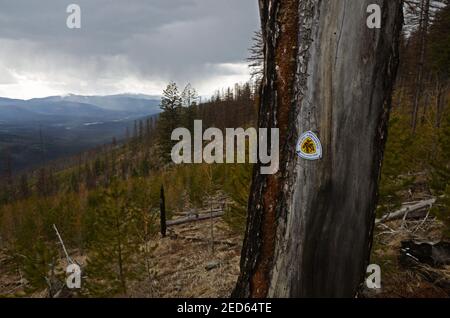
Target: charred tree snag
{"points": [[309, 228], [162, 210]]}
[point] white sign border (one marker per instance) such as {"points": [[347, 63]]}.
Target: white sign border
{"points": [[313, 136]]}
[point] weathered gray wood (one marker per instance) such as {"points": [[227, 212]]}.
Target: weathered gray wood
{"points": [[195, 218], [68, 258], [203, 240], [310, 226], [406, 209], [198, 212]]}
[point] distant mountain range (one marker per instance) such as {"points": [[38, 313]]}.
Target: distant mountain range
{"points": [[38, 130], [70, 108]]}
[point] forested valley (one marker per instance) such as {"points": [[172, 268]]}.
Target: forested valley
{"points": [[106, 203]]}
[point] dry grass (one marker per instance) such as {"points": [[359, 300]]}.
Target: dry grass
{"points": [[181, 258], [399, 282]]}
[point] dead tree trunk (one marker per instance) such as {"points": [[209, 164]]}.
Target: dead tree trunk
{"points": [[162, 208], [212, 215], [310, 226], [440, 99], [423, 29]]}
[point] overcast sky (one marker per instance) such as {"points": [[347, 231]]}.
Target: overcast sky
{"points": [[123, 46]]}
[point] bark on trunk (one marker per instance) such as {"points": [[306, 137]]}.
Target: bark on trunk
{"points": [[310, 226]]}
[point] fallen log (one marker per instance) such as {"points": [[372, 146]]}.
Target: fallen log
{"points": [[202, 240], [198, 212], [195, 218], [404, 211]]}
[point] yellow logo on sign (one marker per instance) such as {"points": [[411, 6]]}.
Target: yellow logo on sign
{"points": [[308, 146]]}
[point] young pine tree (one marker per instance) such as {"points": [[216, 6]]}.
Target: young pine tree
{"points": [[441, 176], [33, 253], [169, 119], [111, 264], [189, 99], [237, 186]]}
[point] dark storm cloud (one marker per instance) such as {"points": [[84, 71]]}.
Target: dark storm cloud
{"points": [[150, 40]]}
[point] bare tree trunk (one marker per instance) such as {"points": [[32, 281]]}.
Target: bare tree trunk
{"points": [[402, 78], [212, 229], [426, 101], [401, 92], [120, 257], [440, 100], [423, 29], [162, 210], [310, 226]]}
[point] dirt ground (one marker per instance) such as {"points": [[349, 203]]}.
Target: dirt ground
{"points": [[187, 264], [401, 282], [184, 255], [182, 258]]}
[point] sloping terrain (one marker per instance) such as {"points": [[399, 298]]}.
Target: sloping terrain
{"points": [[186, 265]]}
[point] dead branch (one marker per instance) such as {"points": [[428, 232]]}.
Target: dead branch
{"points": [[202, 240], [69, 259], [195, 218], [404, 211]]}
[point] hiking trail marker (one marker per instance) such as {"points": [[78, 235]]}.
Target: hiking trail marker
{"points": [[309, 146]]}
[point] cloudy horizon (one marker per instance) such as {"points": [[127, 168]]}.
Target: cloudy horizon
{"points": [[135, 47]]}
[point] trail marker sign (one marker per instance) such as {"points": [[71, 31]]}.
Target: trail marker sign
{"points": [[309, 146]]}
